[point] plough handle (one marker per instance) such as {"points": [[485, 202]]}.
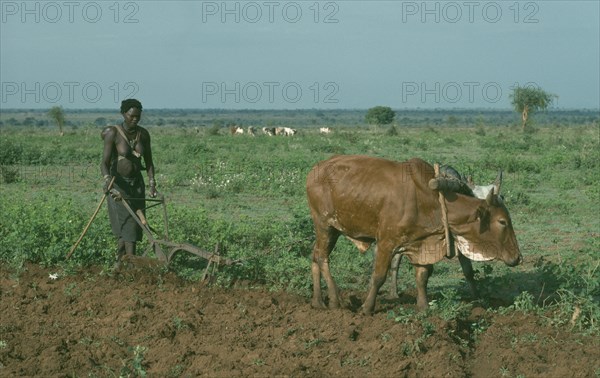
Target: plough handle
{"points": [[85, 230]]}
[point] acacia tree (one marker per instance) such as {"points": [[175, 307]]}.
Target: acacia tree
{"points": [[527, 100], [380, 115], [58, 115]]}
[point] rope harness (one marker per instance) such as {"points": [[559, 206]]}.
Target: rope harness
{"points": [[449, 245]]}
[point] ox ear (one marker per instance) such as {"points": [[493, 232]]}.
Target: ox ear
{"points": [[498, 183], [482, 214], [474, 216]]}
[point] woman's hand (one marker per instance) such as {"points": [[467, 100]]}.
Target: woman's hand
{"points": [[107, 184], [153, 191]]}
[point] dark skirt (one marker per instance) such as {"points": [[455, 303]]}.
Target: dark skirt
{"points": [[122, 223]]}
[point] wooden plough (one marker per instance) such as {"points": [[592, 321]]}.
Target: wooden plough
{"points": [[165, 249]]}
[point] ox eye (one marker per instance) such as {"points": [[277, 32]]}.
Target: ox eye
{"points": [[502, 222]]}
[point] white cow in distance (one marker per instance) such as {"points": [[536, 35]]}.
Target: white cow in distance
{"points": [[270, 131], [287, 131], [236, 130], [325, 130], [284, 131]]}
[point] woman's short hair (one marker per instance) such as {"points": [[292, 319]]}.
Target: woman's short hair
{"points": [[130, 103]]}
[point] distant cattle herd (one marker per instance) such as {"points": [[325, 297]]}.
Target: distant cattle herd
{"points": [[271, 131]]}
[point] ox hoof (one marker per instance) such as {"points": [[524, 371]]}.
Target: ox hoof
{"points": [[393, 295], [319, 305], [366, 311]]}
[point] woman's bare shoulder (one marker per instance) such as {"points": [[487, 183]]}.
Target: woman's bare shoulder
{"points": [[108, 132]]}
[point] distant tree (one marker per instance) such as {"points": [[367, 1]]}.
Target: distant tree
{"points": [[58, 115], [100, 121], [29, 121], [380, 115], [452, 120], [528, 100]]}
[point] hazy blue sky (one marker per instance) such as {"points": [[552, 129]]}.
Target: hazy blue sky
{"points": [[297, 54]]}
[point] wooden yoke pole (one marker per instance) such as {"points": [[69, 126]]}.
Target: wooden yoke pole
{"points": [[449, 249]]}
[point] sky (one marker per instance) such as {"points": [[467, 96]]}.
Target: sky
{"points": [[297, 54]]}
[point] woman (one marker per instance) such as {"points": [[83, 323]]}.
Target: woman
{"points": [[125, 146]]}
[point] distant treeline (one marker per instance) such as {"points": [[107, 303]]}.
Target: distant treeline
{"points": [[299, 118]]}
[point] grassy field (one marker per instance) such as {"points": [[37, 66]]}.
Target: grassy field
{"points": [[247, 194]]}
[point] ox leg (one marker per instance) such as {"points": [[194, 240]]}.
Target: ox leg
{"points": [[422, 274], [467, 268], [383, 258], [320, 265], [393, 293]]}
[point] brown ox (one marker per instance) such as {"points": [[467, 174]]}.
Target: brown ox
{"points": [[479, 191], [371, 200]]}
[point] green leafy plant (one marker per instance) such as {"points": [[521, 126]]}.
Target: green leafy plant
{"points": [[135, 366], [449, 306]]}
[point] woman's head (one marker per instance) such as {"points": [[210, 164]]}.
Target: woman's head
{"points": [[130, 103], [131, 109]]}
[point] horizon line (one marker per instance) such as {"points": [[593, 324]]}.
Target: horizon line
{"points": [[294, 109]]}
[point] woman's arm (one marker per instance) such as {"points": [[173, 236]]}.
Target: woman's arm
{"points": [[108, 135], [149, 163]]}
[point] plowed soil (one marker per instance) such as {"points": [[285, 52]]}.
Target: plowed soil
{"points": [[141, 322]]}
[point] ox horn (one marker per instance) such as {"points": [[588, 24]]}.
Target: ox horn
{"points": [[498, 183], [470, 182], [490, 197]]}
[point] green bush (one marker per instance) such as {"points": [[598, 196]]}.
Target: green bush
{"points": [[43, 230], [10, 152]]}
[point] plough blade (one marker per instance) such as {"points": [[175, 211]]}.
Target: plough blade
{"points": [[166, 249]]}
